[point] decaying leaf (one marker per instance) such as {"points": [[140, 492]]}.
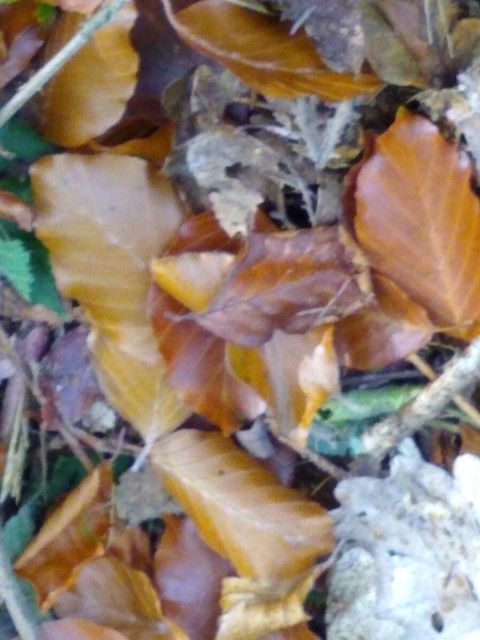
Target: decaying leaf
{"points": [[267, 531], [284, 66], [391, 328], [89, 93], [251, 610], [418, 219], [109, 593], [74, 532], [290, 281], [188, 578], [119, 214]]}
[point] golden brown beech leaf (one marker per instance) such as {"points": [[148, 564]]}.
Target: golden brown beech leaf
{"points": [[252, 610], [110, 593], [294, 373], [103, 218], [298, 632], [262, 52], [390, 329], [89, 93], [75, 629], [188, 577], [418, 219], [288, 280], [267, 531], [74, 532]]}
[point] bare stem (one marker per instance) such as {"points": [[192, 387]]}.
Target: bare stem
{"points": [[388, 433], [43, 75]]}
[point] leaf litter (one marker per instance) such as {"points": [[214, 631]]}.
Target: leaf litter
{"points": [[312, 228]]}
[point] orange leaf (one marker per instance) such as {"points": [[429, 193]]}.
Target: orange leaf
{"points": [[73, 533], [287, 280], [418, 219], [154, 147], [295, 374], [188, 577], [75, 629], [109, 593], [131, 545], [103, 218], [299, 632], [388, 330], [89, 93], [266, 530], [282, 66]]}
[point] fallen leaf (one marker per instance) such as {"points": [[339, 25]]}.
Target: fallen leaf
{"points": [[285, 66], [418, 219], [90, 92], [119, 214], [298, 632], [294, 373], [131, 545], [16, 210], [267, 531], [154, 147], [109, 593], [85, 7], [75, 629], [290, 281], [390, 329], [73, 533], [188, 578], [251, 610]]}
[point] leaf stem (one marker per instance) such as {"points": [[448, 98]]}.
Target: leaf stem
{"points": [[43, 75]]}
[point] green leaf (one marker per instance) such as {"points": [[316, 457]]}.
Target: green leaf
{"points": [[20, 186], [19, 141], [42, 286], [44, 12], [20, 528], [15, 265]]}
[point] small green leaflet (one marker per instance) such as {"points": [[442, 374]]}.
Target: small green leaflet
{"points": [[338, 427], [19, 141], [24, 261]]}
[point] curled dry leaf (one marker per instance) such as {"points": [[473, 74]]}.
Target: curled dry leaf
{"points": [[188, 577], [391, 328], [109, 593], [74, 532], [294, 373], [418, 219], [252, 610], [75, 629], [267, 531], [103, 218], [89, 93], [288, 280], [284, 66]]}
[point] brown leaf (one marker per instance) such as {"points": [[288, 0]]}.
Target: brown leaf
{"points": [[285, 66], [154, 147], [298, 632], [90, 92], [294, 373], [73, 533], [390, 329], [418, 219], [131, 545], [290, 281], [103, 218], [14, 209], [267, 531], [109, 593], [85, 7], [75, 629], [188, 577]]}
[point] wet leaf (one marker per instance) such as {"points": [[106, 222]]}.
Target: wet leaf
{"points": [[89, 93], [287, 280], [285, 66], [267, 531], [108, 592], [73, 533], [418, 219], [386, 331], [119, 214], [188, 577]]}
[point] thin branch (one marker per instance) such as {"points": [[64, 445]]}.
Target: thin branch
{"points": [[14, 598], [388, 433], [319, 461], [43, 75]]}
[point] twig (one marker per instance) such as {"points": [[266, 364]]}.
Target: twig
{"points": [[37, 81], [319, 461], [388, 433], [14, 599], [462, 403]]}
